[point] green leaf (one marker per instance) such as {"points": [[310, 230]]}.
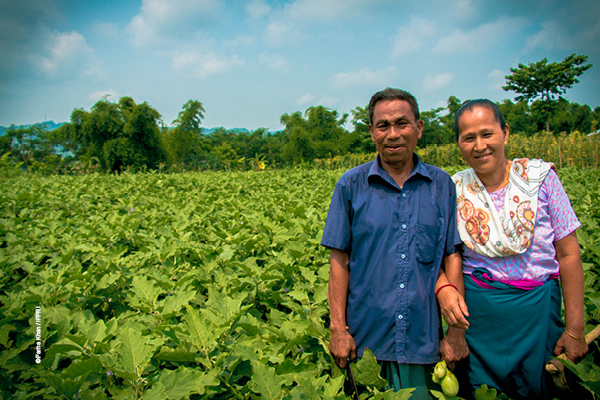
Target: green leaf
{"points": [[587, 371], [156, 392], [441, 395], [333, 387], [484, 393], [177, 301], [202, 333], [366, 371], [83, 368], [182, 382], [311, 386], [265, 382], [144, 290], [168, 354], [135, 353], [68, 388], [227, 306], [95, 333]]}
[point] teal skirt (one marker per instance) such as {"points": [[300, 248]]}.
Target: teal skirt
{"points": [[512, 336]]}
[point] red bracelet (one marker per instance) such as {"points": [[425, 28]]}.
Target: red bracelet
{"points": [[443, 286]]}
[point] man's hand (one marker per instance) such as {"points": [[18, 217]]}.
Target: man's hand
{"points": [[454, 346], [574, 349], [453, 307], [343, 347]]}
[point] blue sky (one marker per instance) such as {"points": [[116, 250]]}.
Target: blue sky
{"points": [[249, 62]]}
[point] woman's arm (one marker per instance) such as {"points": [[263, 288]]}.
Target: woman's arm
{"points": [[571, 277], [454, 309], [451, 299]]}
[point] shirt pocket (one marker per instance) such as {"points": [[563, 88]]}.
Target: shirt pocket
{"points": [[427, 238]]}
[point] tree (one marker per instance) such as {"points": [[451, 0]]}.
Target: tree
{"points": [[546, 81], [184, 142], [360, 120], [119, 135], [435, 129], [190, 116]]}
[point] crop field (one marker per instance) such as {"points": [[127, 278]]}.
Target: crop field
{"points": [[197, 285]]}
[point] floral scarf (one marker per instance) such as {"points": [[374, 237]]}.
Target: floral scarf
{"points": [[499, 234]]}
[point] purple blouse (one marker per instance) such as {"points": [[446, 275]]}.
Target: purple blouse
{"points": [[555, 220]]}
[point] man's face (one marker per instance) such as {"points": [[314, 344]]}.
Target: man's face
{"points": [[395, 131]]}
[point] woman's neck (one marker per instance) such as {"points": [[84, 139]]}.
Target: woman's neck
{"points": [[497, 179]]}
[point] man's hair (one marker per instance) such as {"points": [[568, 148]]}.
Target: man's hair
{"points": [[470, 105], [394, 94]]}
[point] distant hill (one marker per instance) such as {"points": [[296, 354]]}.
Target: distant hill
{"points": [[208, 131], [50, 126]]}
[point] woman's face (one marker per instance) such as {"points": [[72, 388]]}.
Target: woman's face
{"points": [[481, 141]]}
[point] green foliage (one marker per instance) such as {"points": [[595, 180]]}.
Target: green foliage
{"points": [[546, 82], [183, 143], [211, 285], [120, 135], [360, 121], [192, 285], [317, 134]]}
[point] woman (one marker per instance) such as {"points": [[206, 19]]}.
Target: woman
{"points": [[518, 228]]}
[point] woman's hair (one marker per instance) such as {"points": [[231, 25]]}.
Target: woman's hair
{"points": [[470, 105], [394, 94]]}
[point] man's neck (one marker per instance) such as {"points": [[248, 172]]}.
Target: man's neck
{"points": [[399, 172]]}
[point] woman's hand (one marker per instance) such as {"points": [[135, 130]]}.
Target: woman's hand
{"points": [[453, 307], [573, 348], [454, 346]]}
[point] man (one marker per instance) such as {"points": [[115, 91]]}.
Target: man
{"points": [[391, 225]]}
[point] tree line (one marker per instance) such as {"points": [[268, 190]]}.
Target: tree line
{"points": [[125, 135]]}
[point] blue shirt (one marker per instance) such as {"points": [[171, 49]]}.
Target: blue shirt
{"points": [[396, 239]]}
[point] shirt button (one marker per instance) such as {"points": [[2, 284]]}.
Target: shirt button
{"points": [[403, 226], [404, 195], [402, 255], [400, 317], [402, 286]]}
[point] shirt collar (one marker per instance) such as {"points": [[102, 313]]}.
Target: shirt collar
{"points": [[419, 170]]}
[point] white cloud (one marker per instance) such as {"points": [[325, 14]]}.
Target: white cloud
{"points": [[364, 77], [327, 10], [67, 54], [160, 17], [109, 94], [497, 79], [327, 101], [462, 8], [306, 99], [257, 9], [275, 62], [195, 65], [108, 30], [436, 82], [240, 41], [280, 34], [555, 35], [483, 38], [409, 38], [312, 100]]}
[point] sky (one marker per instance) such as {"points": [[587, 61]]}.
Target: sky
{"points": [[250, 62]]}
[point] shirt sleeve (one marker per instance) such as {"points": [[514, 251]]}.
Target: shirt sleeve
{"points": [[562, 216], [338, 232]]}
